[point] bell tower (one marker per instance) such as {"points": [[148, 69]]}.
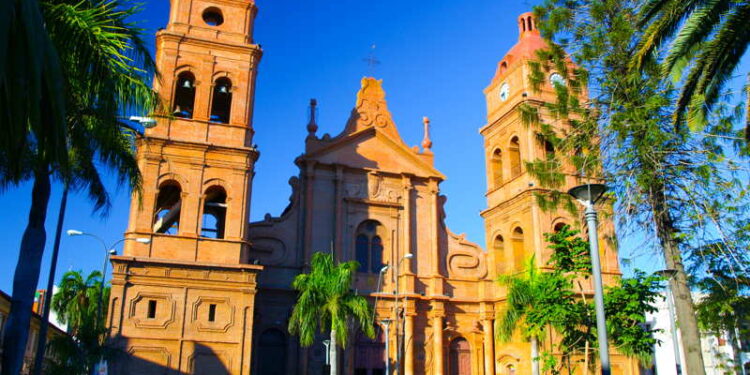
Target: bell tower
{"points": [[182, 292], [515, 224]]}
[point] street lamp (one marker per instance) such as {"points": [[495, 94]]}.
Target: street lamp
{"points": [[108, 250], [588, 194], [386, 325], [668, 274], [395, 308], [385, 322], [147, 122]]}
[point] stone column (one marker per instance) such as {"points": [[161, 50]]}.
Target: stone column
{"points": [[434, 226], [338, 187], [437, 337], [308, 211], [437, 314], [409, 344], [406, 197], [489, 347]]}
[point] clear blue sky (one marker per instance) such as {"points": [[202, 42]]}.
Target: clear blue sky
{"points": [[436, 57]]}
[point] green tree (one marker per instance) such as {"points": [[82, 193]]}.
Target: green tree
{"points": [[671, 186], [542, 301], [724, 303], [535, 302], [327, 302], [100, 67], [706, 39], [76, 304]]}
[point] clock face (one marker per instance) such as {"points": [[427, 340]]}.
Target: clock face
{"points": [[504, 92], [556, 78]]}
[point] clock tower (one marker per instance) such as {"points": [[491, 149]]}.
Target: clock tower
{"points": [[515, 223]]}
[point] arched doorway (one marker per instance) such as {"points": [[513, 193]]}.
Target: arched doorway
{"points": [[272, 353], [459, 360], [369, 355]]}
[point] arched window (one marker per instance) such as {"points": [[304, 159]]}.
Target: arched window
{"points": [[518, 249], [549, 150], [497, 168], [168, 207], [184, 95], [559, 227], [369, 247], [214, 212], [499, 246], [363, 250], [272, 352], [515, 157], [529, 26], [221, 101]]}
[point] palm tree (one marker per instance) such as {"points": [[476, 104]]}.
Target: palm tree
{"points": [[326, 301], [708, 39], [76, 301], [523, 294], [104, 69], [76, 304]]}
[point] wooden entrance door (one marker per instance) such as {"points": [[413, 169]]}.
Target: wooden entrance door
{"points": [[459, 357], [369, 355]]}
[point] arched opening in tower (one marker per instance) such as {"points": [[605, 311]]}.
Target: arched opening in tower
{"points": [[214, 212], [184, 95], [221, 102], [168, 207]]}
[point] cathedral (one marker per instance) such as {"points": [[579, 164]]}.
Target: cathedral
{"points": [[211, 292]]}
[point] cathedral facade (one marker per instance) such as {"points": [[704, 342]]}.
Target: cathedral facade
{"points": [[211, 292]]}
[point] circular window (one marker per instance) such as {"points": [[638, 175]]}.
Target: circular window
{"points": [[212, 16]]}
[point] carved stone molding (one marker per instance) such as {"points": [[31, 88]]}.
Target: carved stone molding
{"points": [[159, 322], [465, 259], [203, 324], [150, 352], [214, 356]]}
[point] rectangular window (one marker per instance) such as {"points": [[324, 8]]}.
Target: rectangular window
{"points": [[212, 312], [151, 309]]}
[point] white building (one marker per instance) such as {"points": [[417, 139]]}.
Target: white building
{"points": [[717, 351]]}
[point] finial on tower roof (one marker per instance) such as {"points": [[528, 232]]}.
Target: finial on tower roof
{"points": [[312, 127], [426, 142], [526, 25]]}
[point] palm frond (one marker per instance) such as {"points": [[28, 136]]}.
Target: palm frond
{"points": [[697, 28]]}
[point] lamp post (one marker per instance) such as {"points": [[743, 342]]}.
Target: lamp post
{"points": [[386, 325], [385, 322], [395, 309], [668, 274], [588, 194], [108, 250]]}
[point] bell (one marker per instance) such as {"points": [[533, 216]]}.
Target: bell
{"points": [[223, 89], [187, 84]]}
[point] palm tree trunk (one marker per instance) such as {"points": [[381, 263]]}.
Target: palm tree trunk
{"points": [[534, 355], [334, 360], [26, 276], [683, 301]]}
